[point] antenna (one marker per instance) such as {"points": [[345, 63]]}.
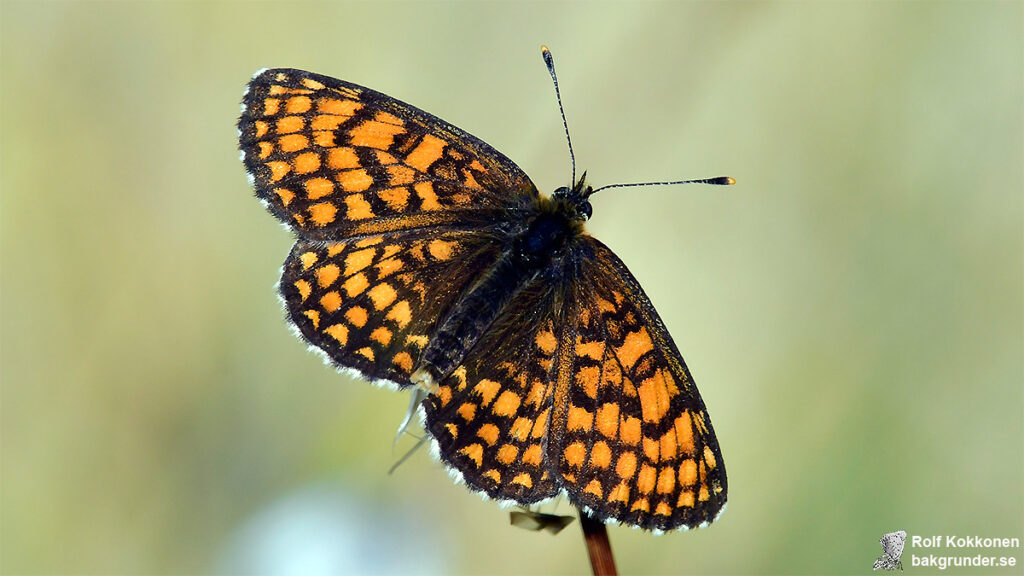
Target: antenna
{"points": [[721, 180], [549, 61]]}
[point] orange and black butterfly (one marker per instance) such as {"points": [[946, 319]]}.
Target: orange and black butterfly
{"points": [[426, 258]]}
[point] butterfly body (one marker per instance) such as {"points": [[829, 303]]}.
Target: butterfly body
{"points": [[425, 257], [533, 247]]}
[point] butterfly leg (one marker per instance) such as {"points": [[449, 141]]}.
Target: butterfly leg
{"points": [[424, 381]]}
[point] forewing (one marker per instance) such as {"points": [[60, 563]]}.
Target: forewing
{"points": [[630, 437], [371, 304], [490, 417], [892, 543], [333, 159]]}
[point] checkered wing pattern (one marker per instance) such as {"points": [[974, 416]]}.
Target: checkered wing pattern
{"points": [[333, 160], [371, 304], [629, 435], [490, 417]]}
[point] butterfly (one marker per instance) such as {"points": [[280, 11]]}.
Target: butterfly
{"points": [[892, 548], [426, 258]]}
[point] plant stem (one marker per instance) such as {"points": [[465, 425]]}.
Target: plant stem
{"points": [[602, 562]]}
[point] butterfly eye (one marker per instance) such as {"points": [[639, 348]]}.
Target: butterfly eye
{"points": [[585, 210]]}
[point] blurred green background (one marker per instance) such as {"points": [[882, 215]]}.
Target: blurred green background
{"points": [[852, 310]]}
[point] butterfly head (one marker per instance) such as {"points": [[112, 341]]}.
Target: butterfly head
{"points": [[574, 201]]}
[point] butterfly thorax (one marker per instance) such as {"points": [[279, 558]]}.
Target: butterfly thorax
{"points": [[532, 251]]}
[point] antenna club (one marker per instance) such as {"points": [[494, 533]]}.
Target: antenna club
{"points": [[724, 180]]}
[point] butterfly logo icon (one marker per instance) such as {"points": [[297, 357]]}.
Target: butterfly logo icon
{"points": [[892, 548]]}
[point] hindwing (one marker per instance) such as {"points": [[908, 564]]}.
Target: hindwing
{"points": [[372, 304], [490, 416]]}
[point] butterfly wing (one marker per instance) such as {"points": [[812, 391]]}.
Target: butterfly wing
{"points": [[333, 160], [371, 304], [629, 436], [489, 418]]}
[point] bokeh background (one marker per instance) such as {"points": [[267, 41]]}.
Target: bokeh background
{"points": [[852, 310]]}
